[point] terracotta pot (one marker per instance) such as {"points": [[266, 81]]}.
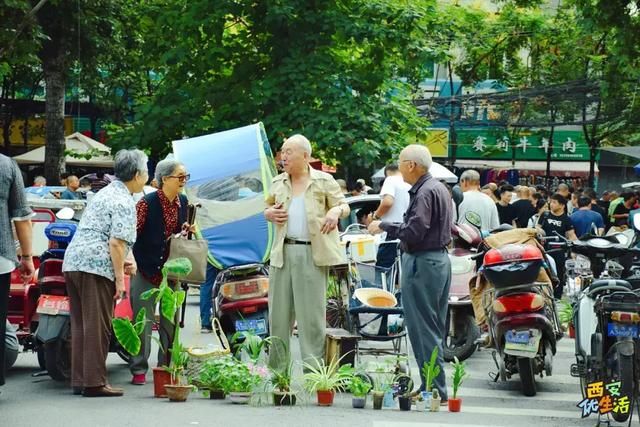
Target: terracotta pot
{"points": [[325, 397], [178, 393], [240, 397], [454, 405], [377, 400], [160, 379], [284, 398], [216, 394], [405, 403], [359, 402], [572, 331]]}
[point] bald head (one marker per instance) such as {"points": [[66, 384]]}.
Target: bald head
{"points": [[296, 153], [299, 141], [415, 161]]}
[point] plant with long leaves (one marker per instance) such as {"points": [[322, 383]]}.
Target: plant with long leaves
{"points": [[251, 343], [458, 375], [431, 370], [321, 376]]}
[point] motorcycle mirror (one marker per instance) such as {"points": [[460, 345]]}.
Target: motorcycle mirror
{"points": [[458, 196], [474, 219], [636, 222], [65, 213]]}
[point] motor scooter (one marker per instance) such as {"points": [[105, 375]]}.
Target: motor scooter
{"points": [[53, 333], [462, 330], [240, 299], [606, 317], [521, 314]]}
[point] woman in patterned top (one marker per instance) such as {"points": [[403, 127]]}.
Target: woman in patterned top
{"points": [[94, 268], [160, 215]]}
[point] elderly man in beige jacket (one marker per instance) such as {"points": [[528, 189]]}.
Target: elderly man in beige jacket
{"points": [[305, 205]]}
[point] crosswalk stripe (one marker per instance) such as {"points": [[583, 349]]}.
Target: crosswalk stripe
{"points": [[522, 412], [510, 394]]}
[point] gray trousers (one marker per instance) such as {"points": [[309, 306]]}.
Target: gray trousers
{"points": [[140, 363], [297, 291], [425, 282]]}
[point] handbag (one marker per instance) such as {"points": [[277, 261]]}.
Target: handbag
{"points": [[195, 250]]}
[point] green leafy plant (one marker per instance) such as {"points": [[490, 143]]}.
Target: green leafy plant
{"points": [[327, 377], [179, 360], [384, 376], [359, 387], [251, 343], [281, 378], [211, 374], [129, 334], [431, 370], [237, 377], [458, 375], [565, 314], [333, 288]]}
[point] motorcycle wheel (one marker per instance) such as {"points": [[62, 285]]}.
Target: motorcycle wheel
{"points": [[57, 355], [624, 372], [463, 345], [527, 377]]}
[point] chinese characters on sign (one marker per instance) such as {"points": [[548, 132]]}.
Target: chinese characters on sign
{"points": [[603, 399]]}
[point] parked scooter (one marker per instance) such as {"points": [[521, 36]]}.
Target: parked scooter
{"points": [[53, 334], [607, 318], [241, 300], [462, 330]]}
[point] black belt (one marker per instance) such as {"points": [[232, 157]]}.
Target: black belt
{"points": [[288, 241]]}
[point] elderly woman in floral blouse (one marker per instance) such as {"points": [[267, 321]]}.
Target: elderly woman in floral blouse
{"points": [[94, 268]]}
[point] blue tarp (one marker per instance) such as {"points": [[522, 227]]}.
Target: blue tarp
{"points": [[230, 172]]}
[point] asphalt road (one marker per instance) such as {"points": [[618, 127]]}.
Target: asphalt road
{"points": [[39, 401]]}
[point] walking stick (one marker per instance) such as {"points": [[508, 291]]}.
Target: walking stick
{"points": [[191, 217]]}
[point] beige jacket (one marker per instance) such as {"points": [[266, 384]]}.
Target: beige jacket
{"points": [[322, 194]]}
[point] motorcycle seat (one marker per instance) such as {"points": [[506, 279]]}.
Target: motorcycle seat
{"points": [[601, 284]]}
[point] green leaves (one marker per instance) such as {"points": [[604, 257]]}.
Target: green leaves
{"points": [[127, 335]]}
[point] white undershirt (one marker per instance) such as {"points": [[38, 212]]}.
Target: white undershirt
{"points": [[297, 227]]}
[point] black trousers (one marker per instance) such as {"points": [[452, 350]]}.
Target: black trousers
{"points": [[560, 259], [4, 306]]}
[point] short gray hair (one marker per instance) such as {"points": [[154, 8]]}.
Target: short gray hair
{"points": [[127, 163], [419, 154], [471, 176], [165, 168], [40, 180], [301, 141]]}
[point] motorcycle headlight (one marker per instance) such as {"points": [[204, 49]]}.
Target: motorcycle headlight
{"points": [[582, 263]]}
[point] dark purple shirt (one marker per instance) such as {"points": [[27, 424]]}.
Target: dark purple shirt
{"points": [[427, 222]]}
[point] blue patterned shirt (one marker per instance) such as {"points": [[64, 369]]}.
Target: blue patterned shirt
{"points": [[111, 213]]}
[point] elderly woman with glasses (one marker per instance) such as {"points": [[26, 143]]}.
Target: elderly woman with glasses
{"points": [[160, 214], [94, 268]]}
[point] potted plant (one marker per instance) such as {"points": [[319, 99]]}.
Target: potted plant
{"points": [[248, 345], [283, 395], [128, 333], [359, 387], [325, 379], [565, 316], [239, 381], [457, 376], [211, 376], [179, 389], [430, 371]]}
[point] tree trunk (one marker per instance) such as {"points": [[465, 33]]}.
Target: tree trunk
{"points": [[453, 138], [54, 77]]}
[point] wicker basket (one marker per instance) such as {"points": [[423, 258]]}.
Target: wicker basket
{"points": [[199, 355]]}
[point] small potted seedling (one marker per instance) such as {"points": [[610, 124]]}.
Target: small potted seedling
{"points": [[457, 376], [179, 389], [211, 376], [239, 382], [283, 395], [325, 379], [565, 316], [359, 387], [430, 371]]}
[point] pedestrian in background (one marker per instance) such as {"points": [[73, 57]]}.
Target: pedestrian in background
{"points": [[13, 208], [95, 263], [477, 202], [506, 211], [586, 221], [305, 205], [160, 214], [426, 270]]}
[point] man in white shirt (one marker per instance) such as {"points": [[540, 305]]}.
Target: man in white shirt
{"points": [[476, 202], [394, 203]]}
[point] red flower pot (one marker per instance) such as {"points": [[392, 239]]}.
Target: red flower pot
{"points": [[454, 405], [325, 397], [572, 331], [160, 379]]}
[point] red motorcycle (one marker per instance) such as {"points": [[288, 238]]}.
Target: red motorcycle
{"points": [[521, 314]]}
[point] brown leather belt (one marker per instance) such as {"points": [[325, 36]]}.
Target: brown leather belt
{"points": [[288, 241]]}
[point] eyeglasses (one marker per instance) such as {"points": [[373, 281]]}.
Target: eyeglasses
{"points": [[181, 178]]}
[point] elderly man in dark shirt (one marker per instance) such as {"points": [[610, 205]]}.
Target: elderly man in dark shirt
{"points": [[426, 270]]}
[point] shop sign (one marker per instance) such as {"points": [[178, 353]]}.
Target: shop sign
{"points": [[499, 145], [437, 142]]}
